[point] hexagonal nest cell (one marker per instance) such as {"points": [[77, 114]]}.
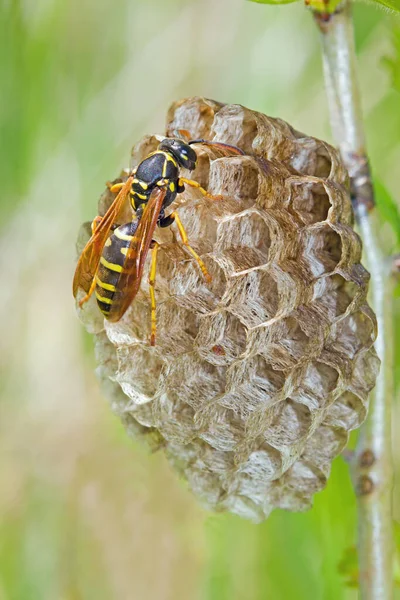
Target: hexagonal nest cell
{"points": [[257, 378]]}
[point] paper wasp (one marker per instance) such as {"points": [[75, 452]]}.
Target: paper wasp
{"points": [[111, 264]]}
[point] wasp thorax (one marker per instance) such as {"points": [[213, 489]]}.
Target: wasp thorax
{"points": [[257, 377]]}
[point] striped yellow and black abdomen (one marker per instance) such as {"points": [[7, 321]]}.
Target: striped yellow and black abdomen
{"points": [[112, 264]]}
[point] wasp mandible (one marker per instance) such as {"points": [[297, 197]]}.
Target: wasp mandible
{"points": [[111, 264]]}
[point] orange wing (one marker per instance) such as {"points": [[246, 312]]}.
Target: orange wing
{"points": [[185, 135], [227, 147], [89, 259], [131, 276]]}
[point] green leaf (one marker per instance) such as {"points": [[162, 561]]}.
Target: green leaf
{"points": [[396, 527], [391, 4], [348, 567], [319, 6], [323, 7], [274, 1], [330, 6], [393, 62], [388, 209]]}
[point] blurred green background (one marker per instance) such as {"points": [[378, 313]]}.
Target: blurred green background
{"points": [[85, 513]]}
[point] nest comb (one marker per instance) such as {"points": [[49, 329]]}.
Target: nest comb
{"points": [[257, 378]]}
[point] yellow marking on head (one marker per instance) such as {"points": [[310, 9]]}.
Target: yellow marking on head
{"points": [[184, 156], [111, 266], [103, 299], [106, 286], [123, 236], [108, 242], [172, 186]]}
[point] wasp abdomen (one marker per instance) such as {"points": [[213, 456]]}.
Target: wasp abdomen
{"points": [[112, 265]]}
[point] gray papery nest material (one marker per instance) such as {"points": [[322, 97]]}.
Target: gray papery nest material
{"points": [[257, 378]]}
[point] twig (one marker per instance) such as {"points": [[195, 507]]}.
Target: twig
{"points": [[371, 466]]}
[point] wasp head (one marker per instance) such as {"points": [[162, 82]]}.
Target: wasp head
{"points": [[181, 151]]}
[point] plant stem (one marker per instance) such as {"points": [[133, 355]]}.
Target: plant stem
{"points": [[372, 470]]}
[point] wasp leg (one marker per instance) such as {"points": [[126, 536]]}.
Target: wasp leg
{"points": [[90, 292], [185, 242], [196, 185], [152, 283], [95, 223], [166, 221], [116, 187]]}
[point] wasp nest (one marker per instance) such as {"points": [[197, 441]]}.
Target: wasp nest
{"points": [[257, 378]]}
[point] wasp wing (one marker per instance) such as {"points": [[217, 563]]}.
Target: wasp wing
{"points": [[131, 276], [184, 134], [90, 257], [228, 148]]}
